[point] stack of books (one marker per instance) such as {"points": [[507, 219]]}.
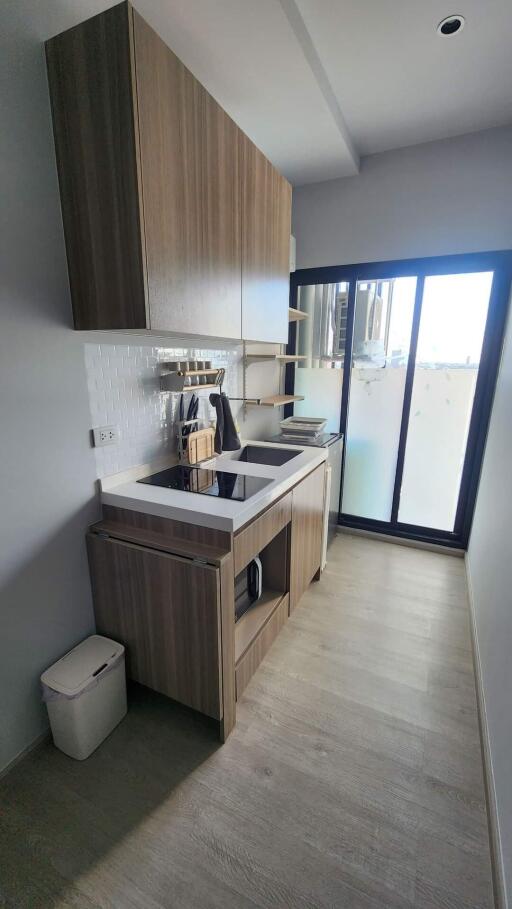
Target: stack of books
{"points": [[302, 429]]}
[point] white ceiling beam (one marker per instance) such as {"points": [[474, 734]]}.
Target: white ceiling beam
{"points": [[308, 48]]}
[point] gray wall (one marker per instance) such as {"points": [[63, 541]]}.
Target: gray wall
{"points": [[434, 199], [489, 563], [445, 197], [46, 464], [47, 467]]}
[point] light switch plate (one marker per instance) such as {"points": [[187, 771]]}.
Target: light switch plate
{"points": [[105, 435]]}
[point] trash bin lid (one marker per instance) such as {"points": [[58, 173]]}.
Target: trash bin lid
{"points": [[76, 669]]}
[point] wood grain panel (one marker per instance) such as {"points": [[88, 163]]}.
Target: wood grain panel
{"points": [[249, 662], [150, 540], [266, 227], [251, 623], [227, 631], [249, 542], [168, 528], [166, 611], [190, 172], [306, 532], [89, 74]]}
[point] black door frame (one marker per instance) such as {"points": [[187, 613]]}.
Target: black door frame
{"points": [[499, 262]]}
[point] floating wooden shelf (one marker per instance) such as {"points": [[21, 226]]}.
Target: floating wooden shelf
{"points": [[291, 358], [275, 400], [280, 358], [271, 400], [259, 358], [249, 626], [295, 315]]}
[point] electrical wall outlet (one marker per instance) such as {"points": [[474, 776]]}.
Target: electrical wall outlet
{"points": [[105, 435]]}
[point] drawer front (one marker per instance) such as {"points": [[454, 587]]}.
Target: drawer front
{"points": [[248, 664], [250, 541]]}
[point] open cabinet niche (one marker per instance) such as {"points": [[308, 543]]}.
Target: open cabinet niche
{"points": [[260, 624]]}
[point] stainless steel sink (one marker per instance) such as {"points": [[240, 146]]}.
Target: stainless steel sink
{"points": [[259, 454]]}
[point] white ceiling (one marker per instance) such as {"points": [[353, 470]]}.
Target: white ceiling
{"points": [[398, 82], [317, 83], [248, 57]]}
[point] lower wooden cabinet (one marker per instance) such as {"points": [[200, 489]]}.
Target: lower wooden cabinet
{"points": [[307, 526], [167, 592], [166, 611]]}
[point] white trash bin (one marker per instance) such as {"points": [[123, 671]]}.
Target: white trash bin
{"points": [[85, 693]]}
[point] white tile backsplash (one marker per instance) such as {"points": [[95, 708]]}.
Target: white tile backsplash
{"points": [[124, 391]]}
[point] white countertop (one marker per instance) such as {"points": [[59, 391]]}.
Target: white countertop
{"points": [[123, 490]]}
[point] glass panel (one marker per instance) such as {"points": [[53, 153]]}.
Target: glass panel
{"points": [[321, 339], [382, 332], [453, 317]]}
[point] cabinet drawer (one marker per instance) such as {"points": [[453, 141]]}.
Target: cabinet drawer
{"points": [[253, 538], [248, 664]]}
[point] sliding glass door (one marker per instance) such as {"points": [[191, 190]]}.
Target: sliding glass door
{"points": [[380, 351], [320, 345], [454, 313], [421, 343]]}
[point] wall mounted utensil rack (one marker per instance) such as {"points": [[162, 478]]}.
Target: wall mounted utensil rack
{"points": [[184, 380]]}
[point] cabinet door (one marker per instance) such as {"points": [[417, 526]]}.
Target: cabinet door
{"points": [[191, 196], [266, 226], [165, 610], [89, 76], [307, 527]]}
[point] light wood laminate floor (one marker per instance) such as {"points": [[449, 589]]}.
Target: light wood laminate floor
{"points": [[353, 778]]}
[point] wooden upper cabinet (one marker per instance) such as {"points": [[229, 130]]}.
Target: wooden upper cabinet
{"points": [[266, 219], [174, 221], [191, 195], [89, 74]]}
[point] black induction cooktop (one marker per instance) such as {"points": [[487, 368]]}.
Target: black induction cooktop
{"points": [[217, 483]]}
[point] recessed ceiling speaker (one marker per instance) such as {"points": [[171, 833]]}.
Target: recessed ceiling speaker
{"points": [[452, 25]]}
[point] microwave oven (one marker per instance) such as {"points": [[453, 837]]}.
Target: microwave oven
{"points": [[248, 587]]}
